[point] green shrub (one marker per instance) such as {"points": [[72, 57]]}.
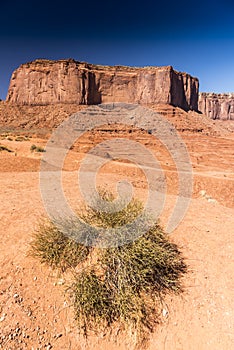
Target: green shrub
{"points": [[21, 138], [134, 276], [122, 285], [33, 147], [55, 249], [37, 148], [91, 301], [98, 215]]}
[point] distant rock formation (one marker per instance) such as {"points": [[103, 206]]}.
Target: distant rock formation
{"points": [[44, 82], [217, 106]]}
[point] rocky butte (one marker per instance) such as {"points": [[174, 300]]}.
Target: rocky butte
{"points": [[44, 82], [217, 106]]}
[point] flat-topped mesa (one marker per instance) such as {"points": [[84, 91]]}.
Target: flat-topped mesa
{"points": [[217, 106], [43, 82]]}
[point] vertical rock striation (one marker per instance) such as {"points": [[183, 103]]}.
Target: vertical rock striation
{"points": [[43, 82], [217, 106]]}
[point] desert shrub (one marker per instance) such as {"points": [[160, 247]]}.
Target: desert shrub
{"points": [[36, 148], [33, 147], [91, 301], [132, 277], [40, 149], [21, 138], [98, 214], [122, 285], [54, 248], [4, 136]]}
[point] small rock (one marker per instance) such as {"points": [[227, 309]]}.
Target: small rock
{"points": [[16, 295], [164, 313], [211, 200], [61, 282], [3, 317], [202, 193]]}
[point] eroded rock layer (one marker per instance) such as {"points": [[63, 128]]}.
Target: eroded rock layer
{"points": [[43, 82], [217, 106]]}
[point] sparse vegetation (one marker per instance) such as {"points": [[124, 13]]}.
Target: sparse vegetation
{"points": [[35, 148], [21, 138], [4, 148], [55, 249], [98, 215], [4, 136], [118, 286]]}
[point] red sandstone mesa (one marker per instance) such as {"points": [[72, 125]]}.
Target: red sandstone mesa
{"points": [[44, 82], [217, 106]]}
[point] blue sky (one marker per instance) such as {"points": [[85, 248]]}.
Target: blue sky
{"points": [[196, 37]]}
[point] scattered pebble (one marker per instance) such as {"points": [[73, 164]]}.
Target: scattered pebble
{"points": [[164, 313], [60, 282], [202, 193], [3, 317], [211, 200]]}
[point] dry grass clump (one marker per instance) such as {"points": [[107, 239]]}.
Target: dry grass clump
{"points": [[91, 301], [133, 279], [99, 216], [55, 249], [119, 286]]}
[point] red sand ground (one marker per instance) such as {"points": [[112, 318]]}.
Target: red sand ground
{"points": [[36, 314]]}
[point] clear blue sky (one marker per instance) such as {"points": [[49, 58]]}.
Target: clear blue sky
{"points": [[196, 37]]}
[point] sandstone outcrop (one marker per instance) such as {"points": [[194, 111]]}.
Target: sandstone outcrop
{"points": [[43, 82], [217, 106]]}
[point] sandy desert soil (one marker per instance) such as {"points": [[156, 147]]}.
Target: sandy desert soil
{"points": [[35, 312]]}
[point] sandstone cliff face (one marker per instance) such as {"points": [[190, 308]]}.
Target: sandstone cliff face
{"points": [[43, 82], [217, 106]]}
